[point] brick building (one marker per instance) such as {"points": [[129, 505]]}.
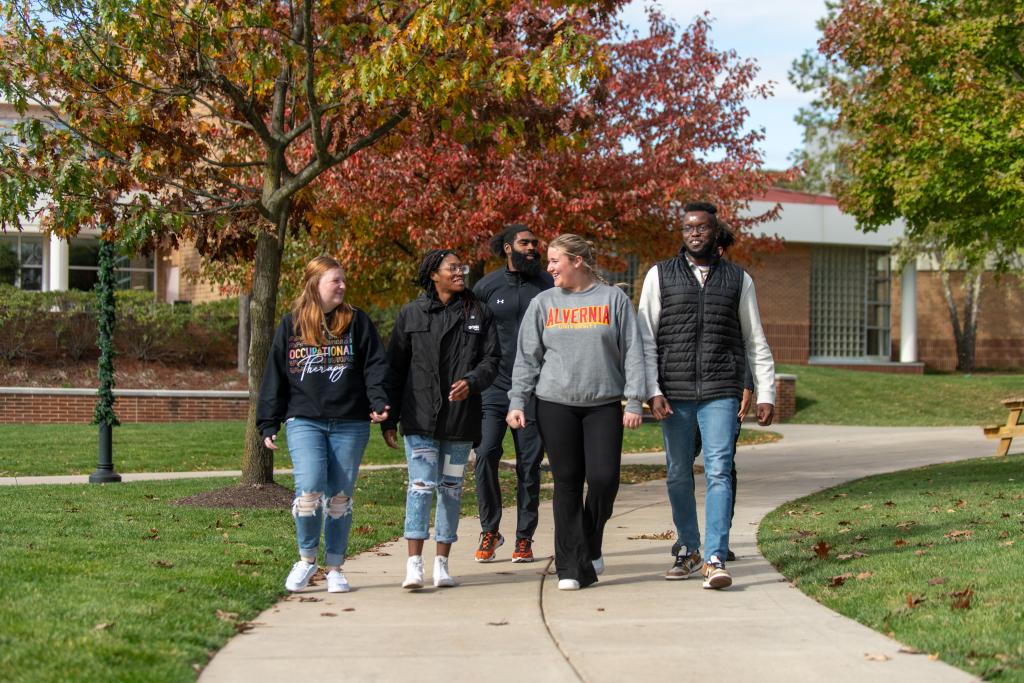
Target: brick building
{"points": [[830, 297]]}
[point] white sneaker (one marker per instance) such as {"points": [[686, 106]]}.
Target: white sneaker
{"points": [[299, 576], [598, 565], [568, 585], [413, 573], [336, 582], [441, 576]]}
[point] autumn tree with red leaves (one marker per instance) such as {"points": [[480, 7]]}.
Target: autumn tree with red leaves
{"points": [[665, 125], [213, 122]]}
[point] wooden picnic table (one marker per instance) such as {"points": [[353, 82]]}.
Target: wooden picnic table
{"points": [[1006, 433]]}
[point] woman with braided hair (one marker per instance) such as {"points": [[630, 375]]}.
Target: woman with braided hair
{"points": [[443, 353], [580, 353]]}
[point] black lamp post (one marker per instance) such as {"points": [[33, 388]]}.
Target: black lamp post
{"points": [[104, 415]]}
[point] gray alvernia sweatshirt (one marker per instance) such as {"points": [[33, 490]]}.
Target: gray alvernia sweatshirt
{"points": [[579, 349]]}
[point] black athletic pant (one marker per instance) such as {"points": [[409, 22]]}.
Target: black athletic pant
{"points": [[529, 453], [583, 445]]}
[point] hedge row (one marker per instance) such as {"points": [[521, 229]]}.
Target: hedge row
{"points": [[48, 326]]}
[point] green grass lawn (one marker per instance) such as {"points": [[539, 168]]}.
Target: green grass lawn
{"points": [[28, 450], [115, 583], [932, 556], [834, 396]]}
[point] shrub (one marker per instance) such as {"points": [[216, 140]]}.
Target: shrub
{"points": [[72, 318], [212, 331], [23, 324]]}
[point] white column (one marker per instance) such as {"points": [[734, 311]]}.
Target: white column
{"points": [[908, 313], [58, 264]]}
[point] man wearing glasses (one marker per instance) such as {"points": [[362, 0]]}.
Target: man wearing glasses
{"points": [[701, 328], [507, 292]]}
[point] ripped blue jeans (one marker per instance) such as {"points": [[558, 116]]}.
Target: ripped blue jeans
{"points": [[434, 465], [325, 456]]}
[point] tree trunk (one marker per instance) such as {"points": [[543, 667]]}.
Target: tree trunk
{"points": [[966, 334], [244, 332], [258, 461]]}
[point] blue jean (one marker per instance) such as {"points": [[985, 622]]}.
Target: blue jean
{"points": [[434, 465], [325, 456], [716, 420]]}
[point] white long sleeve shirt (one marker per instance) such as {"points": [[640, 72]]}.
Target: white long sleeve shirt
{"points": [[759, 356]]}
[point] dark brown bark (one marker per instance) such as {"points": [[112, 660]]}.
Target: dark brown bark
{"points": [[244, 332], [258, 461], [965, 332]]}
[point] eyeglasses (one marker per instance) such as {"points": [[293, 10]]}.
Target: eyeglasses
{"points": [[699, 229], [458, 269]]}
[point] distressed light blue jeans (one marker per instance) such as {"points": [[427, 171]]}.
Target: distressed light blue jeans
{"points": [[434, 465], [717, 422], [325, 456]]}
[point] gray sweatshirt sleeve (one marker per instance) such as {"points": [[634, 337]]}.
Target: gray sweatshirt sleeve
{"points": [[529, 353], [632, 346]]}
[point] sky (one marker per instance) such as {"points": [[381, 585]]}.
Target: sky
{"points": [[773, 33]]}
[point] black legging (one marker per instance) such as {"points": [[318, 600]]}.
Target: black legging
{"points": [[583, 445]]}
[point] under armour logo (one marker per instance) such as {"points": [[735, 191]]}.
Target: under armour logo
{"points": [[500, 301]]}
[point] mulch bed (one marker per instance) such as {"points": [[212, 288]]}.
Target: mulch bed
{"points": [[267, 496], [128, 374]]}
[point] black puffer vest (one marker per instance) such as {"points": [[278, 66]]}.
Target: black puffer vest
{"points": [[700, 343]]}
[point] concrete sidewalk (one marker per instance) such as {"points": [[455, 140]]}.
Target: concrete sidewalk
{"points": [[508, 622]]}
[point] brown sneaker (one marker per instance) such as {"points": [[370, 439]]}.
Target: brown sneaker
{"points": [[523, 551], [715, 575], [490, 541], [684, 565]]}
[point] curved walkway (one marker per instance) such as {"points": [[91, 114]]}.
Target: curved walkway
{"points": [[508, 622]]}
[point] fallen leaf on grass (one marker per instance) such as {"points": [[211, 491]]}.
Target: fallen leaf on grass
{"points": [[914, 600], [821, 549], [850, 556], [153, 535], [226, 616], [241, 562], [906, 525], [103, 626], [656, 536], [876, 657], [890, 504], [959, 534], [865, 506], [166, 564], [1006, 544], [503, 622], [244, 626], [860, 537], [864, 575], [920, 552], [899, 542], [960, 504], [962, 598], [937, 581], [836, 581]]}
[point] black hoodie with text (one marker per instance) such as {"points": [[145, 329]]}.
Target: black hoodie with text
{"points": [[343, 379]]}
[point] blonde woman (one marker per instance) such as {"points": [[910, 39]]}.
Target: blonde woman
{"points": [[580, 353], [326, 379]]}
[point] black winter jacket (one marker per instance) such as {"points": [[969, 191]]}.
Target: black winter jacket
{"points": [[341, 380], [508, 293], [699, 340], [433, 346]]}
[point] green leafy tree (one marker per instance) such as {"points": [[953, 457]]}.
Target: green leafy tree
{"points": [[924, 104], [210, 121]]}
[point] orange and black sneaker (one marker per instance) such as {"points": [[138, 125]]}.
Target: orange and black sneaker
{"points": [[715, 575], [523, 551], [490, 541]]}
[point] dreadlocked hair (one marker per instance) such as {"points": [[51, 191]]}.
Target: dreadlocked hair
{"points": [[308, 317], [506, 236], [573, 246], [430, 264]]}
